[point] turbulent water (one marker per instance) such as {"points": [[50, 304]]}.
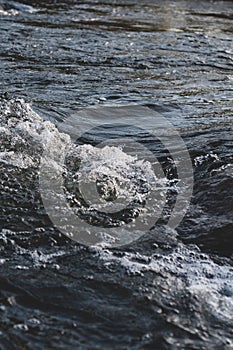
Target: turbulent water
{"points": [[171, 288]]}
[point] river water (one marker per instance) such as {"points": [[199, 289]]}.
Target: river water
{"points": [[172, 288]]}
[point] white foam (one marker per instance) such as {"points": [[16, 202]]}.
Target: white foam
{"points": [[204, 279], [24, 132], [199, 160]]}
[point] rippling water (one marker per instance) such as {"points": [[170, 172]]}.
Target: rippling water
{"points": [[171, 289]]}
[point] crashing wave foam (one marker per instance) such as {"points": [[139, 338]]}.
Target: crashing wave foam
{"points": [[199, 276], [121, 181]]}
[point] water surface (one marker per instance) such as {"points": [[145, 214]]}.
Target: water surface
{"points": [[170, 290]]}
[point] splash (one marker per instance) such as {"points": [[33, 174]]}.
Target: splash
{"points": [[105, 186]]}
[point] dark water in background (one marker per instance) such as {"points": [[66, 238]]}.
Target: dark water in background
{"points": [[161, 292]]}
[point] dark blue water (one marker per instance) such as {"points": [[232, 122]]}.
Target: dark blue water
{"points": [[171, 289]]}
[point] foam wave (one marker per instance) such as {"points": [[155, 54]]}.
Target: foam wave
{"points": [[24, 134], [111, 181], [195, 273]]}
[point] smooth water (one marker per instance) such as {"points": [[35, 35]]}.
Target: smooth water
{"points": [[171, 289]]}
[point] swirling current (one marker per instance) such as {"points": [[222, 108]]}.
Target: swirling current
{"points": [[172, 287]]}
